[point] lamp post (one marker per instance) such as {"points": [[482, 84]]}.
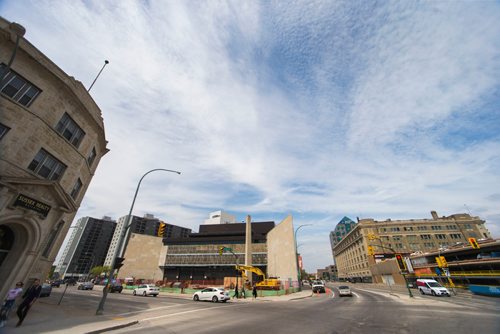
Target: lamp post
{"points": [[127, 224], [19, 31], [297, 255]]}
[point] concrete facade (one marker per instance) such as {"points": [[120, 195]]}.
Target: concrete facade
{"points": [[45, 168], [220, 217], [142, 257], [282, 253]]}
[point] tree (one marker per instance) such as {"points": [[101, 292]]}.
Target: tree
{"points": [[97, 271]]}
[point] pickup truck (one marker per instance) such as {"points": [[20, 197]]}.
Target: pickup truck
{"points": [[318, 286]]}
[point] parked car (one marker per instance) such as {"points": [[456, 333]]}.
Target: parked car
{"points": [[318, 286], [344, 290], [57, 283], [431, 287], [86, 286], [70, 281], [146, 290], [213, 294], [116, 288], [46, 290]]}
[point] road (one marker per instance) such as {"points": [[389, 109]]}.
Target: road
{"points": [[367, 311]]}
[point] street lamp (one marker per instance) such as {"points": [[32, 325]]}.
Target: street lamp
{"points": [[297, 255], [100, 308], [19, 31]]}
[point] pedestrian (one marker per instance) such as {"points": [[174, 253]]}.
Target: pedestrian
{"points": [[236, 292], [30, 296], [254, 292], [9, 302], [243, 292]]}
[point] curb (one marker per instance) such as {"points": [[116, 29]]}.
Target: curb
{"points": [[112, 328]]}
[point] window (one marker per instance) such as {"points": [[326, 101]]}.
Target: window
{"points": [[68, 128], [396, 237], [3, 130], [18, 88], [394, 229], [422, 228], [91, 156], [45, 165], [435, 227], [440, 236], [76, 188], [425, 236], [429, 244], [411, 237], [456, 236], [408, 228]]}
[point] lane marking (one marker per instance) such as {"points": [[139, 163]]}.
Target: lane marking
{"points": [[190, 311], [148, 310], [354, 293]]}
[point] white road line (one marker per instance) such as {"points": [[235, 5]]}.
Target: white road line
{"points": [[148, 310], [190, 311], [358, 296], [333, 293]]}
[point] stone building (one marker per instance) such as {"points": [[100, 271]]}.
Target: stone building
{"points": [[401, 236], [51, 141]]}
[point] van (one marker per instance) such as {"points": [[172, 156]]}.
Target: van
{"points": [[431, 287]]}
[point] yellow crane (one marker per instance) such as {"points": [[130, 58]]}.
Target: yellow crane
{"points": [[265, 283]]}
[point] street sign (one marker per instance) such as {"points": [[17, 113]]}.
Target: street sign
{"points": [[446, 272]]}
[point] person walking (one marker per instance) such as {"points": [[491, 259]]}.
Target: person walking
{"points": [[236, 292], [30, 296], [243, 292], [9, 302], [254, 292]]}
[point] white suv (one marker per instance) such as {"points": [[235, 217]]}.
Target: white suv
{"points": [[318, 286], [146, 290]]}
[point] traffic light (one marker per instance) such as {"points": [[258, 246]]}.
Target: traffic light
{"points": [[371, 250], [473, 243], [401, 262], [119, 262], [372, 236], [161, 229], [443, 261], [439, 262], [221, 250]]}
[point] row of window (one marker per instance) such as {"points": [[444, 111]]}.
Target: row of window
{"points": [[419, 228], [18, 88]]}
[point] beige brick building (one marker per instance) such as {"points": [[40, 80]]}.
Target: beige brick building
{"points": [[51, 141], [401, 236], [142, 258]]}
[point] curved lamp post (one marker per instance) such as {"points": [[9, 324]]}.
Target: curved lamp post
{"points": [[297, 256], [100, 308]]}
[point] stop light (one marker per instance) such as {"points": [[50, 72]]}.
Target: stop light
{"points": [[401, 262], [221, 250], [119, 262], [444, 263], [439, 262], [372, 236], [371, 250], [161, 229], [473, 243]]}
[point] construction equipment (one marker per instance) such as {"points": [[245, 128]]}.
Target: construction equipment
{"points": [[265, 283]]}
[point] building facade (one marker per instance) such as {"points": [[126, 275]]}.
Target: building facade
{"points": [[401, 236], [87, 247], [220, 217], [52, 139], [147, 225]]}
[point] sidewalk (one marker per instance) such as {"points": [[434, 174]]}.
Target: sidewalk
{"points": [[76, 317]]}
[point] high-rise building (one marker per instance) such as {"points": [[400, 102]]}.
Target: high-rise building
{"points": [[343, 227], [87, 247], [51, 142], [147, 225]]}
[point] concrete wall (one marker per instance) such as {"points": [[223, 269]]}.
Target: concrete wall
{"points": [[281, 252], [142, 257]]}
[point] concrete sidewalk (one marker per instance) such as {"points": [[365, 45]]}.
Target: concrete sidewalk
{"points": [[76, 317]]}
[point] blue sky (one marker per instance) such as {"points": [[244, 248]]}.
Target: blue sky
{"points": [[319, 109]]}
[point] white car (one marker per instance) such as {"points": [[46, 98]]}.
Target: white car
{"points": [[213, 294], [146, 290], [318, 286], [344, 290], [431, 287]]}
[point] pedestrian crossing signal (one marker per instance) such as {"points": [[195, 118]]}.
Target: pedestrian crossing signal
{"points": [[474, 243]]}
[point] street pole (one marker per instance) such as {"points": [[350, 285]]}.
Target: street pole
{"points": [[100, 308], [299, 278]]}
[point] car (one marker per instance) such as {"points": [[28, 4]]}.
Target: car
{"points": [[46, 290], [57, 283], [146, 290], [344, 290], [318, 286], [213, 294], [86, 286], [70, 281], [116, 288], [432, 287]]}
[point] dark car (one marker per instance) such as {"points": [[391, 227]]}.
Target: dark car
{"points": [[46, 290], [85, 286], [116, 288], [57, 283]]}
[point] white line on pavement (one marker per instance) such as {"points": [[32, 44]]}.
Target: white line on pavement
{"points": [[190, 311], [148, 310], [358, 296]]}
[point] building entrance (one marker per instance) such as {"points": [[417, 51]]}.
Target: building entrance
{"points": [[6, 242]]}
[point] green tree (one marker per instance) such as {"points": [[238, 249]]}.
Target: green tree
{"points": [[97, 271]]}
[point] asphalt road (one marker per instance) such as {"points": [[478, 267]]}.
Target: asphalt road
{"points": [[364, 312]]}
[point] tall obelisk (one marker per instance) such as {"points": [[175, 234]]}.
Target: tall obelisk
{"points": [[248, 246]]}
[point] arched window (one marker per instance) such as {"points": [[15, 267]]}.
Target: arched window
{"points": [[6, 242]]}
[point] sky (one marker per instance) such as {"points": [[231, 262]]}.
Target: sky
{"points": [[318, 109]]}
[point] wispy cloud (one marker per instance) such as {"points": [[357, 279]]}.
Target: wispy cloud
{"points": [[320, 109]]}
